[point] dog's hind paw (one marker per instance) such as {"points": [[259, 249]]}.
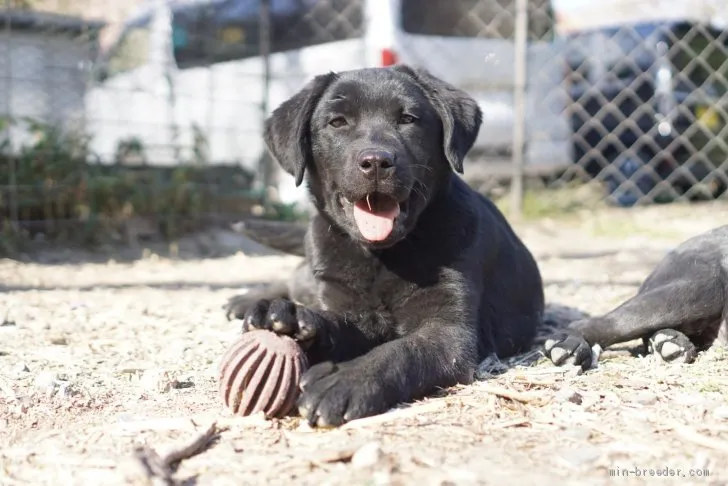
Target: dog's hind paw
{"points": [[672, 346], [569, 349]]}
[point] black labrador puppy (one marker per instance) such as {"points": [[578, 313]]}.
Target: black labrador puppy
{"points": [[410, 277], [680, 309]]}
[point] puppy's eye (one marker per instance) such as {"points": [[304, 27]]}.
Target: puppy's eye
{"points": [[405, 119], [338, 122]]}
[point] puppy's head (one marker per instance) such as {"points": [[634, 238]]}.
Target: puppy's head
{"points": [[375, 145]]}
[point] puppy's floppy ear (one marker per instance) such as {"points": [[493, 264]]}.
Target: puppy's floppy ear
{"points": [[460, 114], [287, 130]]}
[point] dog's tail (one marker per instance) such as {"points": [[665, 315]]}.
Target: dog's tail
{"points": [[285, 237], [556, 318]]}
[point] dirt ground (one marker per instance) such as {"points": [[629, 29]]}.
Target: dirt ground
{"points": [[100, 356]]}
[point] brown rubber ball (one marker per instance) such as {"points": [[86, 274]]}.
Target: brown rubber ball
{"points": [[261, 372]]}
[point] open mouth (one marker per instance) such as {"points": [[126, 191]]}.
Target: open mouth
{"points": [[375, 215]]}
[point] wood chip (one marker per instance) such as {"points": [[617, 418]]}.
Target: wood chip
{"points": [[699, 439], [523, 397], [510, 423], [396, 414]]}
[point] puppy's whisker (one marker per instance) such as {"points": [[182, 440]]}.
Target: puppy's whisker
{"points": [[420, 194], [418, 189], [422, 166]]}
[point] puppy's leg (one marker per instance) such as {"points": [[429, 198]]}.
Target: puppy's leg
{"points": [[358, 367], [688, 306], [323, 335], [299, 287], [437, 355]]}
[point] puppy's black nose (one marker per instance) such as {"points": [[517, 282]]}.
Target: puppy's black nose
{"points": [[377, 164]]}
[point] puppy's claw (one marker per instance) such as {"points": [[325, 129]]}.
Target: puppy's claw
{"points": [[281, 327], [571, 350], [303, 410], [322, 423]]}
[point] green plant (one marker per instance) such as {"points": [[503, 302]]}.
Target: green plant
{"points": [[130, 151], [49, 186], [42, 175], [284, 212], [200, 146]]}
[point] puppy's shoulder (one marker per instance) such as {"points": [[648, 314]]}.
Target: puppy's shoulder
{"points": [[477, 211]]}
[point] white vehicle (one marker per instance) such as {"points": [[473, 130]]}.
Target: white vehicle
{"points": [[180, 72]]}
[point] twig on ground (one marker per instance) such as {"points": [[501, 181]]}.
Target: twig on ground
{"points": [[651, 447], [527, 380], [7, 322], [341, 455], [517, 396], [396, 414], [155, 424], [163, 468], [510, 423], [697, 438], [182, 423], [6, 389], [550, 371]]}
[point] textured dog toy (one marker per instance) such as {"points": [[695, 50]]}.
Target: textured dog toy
{"points": [[261, 372]]}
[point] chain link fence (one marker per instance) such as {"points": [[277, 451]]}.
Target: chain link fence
{"points": [[646, 105], [152, 114]]}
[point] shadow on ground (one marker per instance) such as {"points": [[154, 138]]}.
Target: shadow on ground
{"points": [[216, 242]]}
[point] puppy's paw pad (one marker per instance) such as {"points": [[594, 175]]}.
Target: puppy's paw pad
{"points": [[571, 350], [672, 346]]}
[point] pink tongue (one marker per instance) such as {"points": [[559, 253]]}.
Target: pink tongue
{"points": [[375, 225]]}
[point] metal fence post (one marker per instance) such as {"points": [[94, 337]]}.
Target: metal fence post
{"points": [[266, 168], [13, 182], [519, 107]]}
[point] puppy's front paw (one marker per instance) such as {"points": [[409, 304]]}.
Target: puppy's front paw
{"points": [[569, 349], [334, 394], [672, 346], [284, 317]]}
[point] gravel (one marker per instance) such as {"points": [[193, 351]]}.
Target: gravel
{"points": [[98, 356]]}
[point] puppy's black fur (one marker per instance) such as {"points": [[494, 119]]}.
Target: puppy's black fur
{"points": [[389, 320], [680, 309]]}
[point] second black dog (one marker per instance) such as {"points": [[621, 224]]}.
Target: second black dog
{"points": [[680, 309]]}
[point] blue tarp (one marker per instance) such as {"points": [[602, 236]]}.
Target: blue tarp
{"points": [[227, 11], [224, 11]]}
